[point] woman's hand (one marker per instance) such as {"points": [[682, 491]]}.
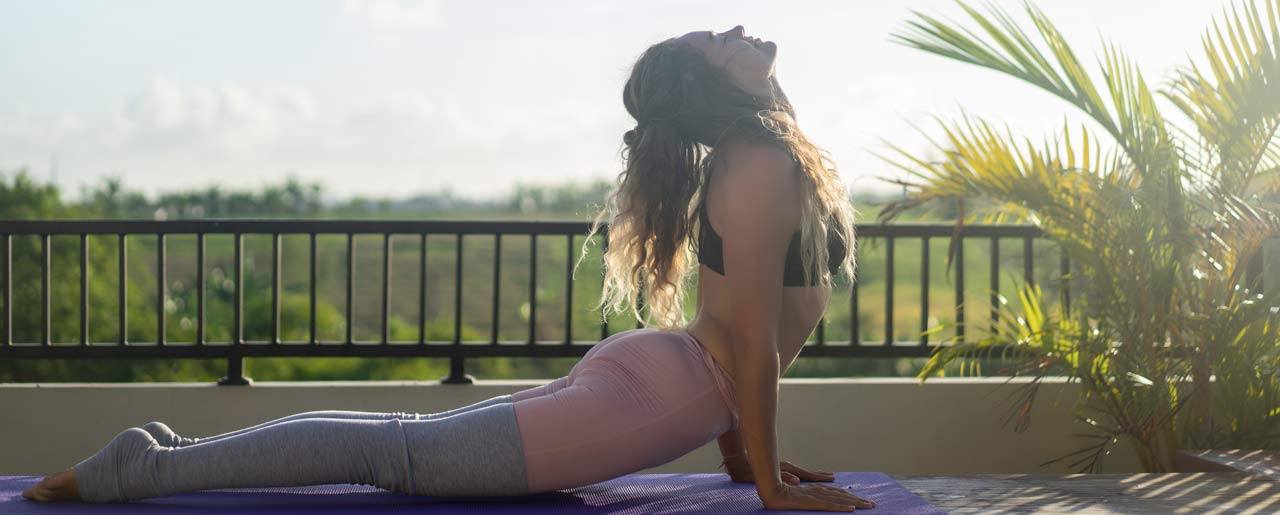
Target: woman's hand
{"points": [[740, 472], [812, 497], [791, 495]]}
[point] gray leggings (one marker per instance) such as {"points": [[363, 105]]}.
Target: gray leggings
{"points": [[469, 451]]}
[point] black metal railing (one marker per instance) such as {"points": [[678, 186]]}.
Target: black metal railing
{"points": [[455, 349]]}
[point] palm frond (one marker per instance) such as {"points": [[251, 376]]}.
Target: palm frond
{"points": [[1129, 116], [1236, 107]]}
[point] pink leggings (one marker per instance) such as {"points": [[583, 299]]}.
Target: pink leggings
{"points": [[638, 399]]}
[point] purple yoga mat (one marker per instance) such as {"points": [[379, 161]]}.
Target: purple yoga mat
{"points": [[631, 494]]}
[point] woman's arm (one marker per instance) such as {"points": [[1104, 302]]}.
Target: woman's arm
{"points": [[730, 441], [762, 210], [733, 453]]}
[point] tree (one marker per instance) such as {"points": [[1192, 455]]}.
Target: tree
{"points": [[1161, 220]]}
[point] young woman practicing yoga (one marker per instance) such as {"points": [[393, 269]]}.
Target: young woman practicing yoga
{"points": [[769, 232]]}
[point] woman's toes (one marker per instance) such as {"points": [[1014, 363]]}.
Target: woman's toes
{"points": [[60, 487], [34, 493]]}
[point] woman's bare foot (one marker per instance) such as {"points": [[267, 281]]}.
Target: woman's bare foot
{"points": [[55, 488]]}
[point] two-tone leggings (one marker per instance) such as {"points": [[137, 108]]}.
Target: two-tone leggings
{"points": [[638, 399]]}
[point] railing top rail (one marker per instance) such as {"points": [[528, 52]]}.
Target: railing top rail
{"points": [[386, 226], [313, 225]]}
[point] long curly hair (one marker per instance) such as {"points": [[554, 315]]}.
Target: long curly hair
{"points": [[685, 108]]}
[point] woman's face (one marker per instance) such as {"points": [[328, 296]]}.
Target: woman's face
{"points": [[747, 60]]}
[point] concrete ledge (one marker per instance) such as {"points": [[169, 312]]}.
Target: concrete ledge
{"points": [[892, 425]]}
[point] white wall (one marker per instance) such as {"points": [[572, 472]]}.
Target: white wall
{"points": [[896, 426]]}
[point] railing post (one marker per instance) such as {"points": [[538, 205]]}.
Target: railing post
{"points": [[924, 290], [855, 337], [568, 292], [46, 264], [604, 249], [458, 371], [888, 292], [533, 288], [161, 289], [422, 291], [311, 320], [6, 289], [122, 259], [84, 289], [351, 272], [200, 286], [958, 263], [994, 277], [457, 362], [235, 373]]}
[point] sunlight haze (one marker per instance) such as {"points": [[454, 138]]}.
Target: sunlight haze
{"points": [[393, 98]]}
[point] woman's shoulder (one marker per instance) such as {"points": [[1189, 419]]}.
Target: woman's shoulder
{"points": [[758, 171], [760, 164]]}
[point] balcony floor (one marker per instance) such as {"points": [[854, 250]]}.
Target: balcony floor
{"points": [[1097, 494]]}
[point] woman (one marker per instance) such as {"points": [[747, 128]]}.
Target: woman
{"points": [[706, 105]]}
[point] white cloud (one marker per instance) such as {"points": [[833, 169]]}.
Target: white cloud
{"points": [[394, 14], [391, 23], [178, 135], [169, 117]]}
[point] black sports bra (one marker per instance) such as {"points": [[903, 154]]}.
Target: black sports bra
{"points": [[711, 249]]}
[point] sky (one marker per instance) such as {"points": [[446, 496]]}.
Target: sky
{"points": [[392, 98]]}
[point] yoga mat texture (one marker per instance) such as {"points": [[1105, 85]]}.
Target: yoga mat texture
{"points": [[631, 494]]}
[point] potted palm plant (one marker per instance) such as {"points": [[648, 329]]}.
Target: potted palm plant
{"points": [[1174, 344]]}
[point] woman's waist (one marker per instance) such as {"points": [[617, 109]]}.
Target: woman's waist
{"points": [[723, 378], [712, 340]]}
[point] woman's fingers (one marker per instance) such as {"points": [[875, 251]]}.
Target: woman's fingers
{"points": [[815, 497], [855, 501], [801, 498], [833, 500], [842, 493], [807, 475], [846, 496], [826, 492]]}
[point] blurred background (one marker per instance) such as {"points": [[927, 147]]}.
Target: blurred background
{"points": [[447, 110]]}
